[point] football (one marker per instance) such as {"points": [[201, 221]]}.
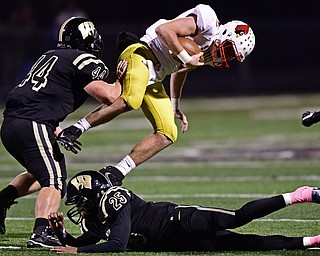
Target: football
{"points": [[190, 46]]}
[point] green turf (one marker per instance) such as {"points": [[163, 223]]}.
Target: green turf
{"points": [[236, 150]]}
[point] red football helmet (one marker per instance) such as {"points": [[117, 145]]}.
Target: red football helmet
{"points": [[235, 42]]}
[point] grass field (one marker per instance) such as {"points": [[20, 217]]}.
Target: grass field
{"points": [[236, 150]]}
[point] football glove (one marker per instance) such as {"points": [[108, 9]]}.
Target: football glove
{"points": [[113, 174], [68, 139], [310, 118]]}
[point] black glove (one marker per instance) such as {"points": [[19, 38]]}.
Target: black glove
{"points": [[113, 174], [310, 118], [68, 138]]}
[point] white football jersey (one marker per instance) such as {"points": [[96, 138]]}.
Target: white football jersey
{"points": [[207, 23]]}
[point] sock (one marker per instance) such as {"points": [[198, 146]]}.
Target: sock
{"points": [[9, 193], [287, 199], [40, 224], [126, 165], [311, 241]]}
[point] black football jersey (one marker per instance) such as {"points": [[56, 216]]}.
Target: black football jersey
{"points": [[122, 213], [53, 88]]}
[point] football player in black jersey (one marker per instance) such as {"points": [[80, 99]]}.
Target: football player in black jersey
{"points": [[58, 83], [127, 222]]}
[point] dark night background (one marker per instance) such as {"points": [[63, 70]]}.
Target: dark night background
{"points": [[285, 59]]}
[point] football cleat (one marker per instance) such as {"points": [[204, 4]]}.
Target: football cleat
{"points": [[310, 118], [316, 195], [314, 242], [113, 175], [305, 194], [45, 239], [3, 214]]}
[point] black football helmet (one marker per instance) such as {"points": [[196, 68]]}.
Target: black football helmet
{"points": [[84, 191], [80, 33]]}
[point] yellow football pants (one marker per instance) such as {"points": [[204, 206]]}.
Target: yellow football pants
{"points": [[153, 99]]}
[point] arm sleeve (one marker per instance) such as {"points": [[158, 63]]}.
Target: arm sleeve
{"points": [[67, 239], [89, 68], [119, 235], [206, 18]]}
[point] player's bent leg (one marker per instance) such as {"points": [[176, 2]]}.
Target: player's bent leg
{"points": [[137, 75], [23, 184], [3, 213], [26, 184], [209, 220], [258, 208], [148, 147], [50, 171], [158, 109], [47, 201]]}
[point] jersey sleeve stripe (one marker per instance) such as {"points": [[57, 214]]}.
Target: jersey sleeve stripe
{"points": [[81, 57], [87, 62]]}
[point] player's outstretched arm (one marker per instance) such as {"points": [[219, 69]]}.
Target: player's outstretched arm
{"points": [[107, 93]]}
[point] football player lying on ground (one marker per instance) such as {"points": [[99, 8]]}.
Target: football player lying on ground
{"points": [[127, 222]]}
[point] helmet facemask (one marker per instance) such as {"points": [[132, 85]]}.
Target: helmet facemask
{"points": [[92, 44], [84, 191], [235, 42], [82, 207], [225, 53]]}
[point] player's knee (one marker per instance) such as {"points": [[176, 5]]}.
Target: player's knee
{"points": [[59, 184], [133, 102], [171, 132]]}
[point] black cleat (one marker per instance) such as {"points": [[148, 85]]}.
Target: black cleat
{"points": [[316, 195], [3, 214], [46, 239], [113, 175]]}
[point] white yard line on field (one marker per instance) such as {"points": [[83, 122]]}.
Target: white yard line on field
{"points": [[224, 179], [162, 178], [259, 220], [12, 247]]}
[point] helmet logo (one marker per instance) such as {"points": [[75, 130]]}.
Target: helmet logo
{"points": [[241, 30], [86, 28], [83, 181]]}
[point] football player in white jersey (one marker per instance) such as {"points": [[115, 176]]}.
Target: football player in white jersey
{"points": [[159, 54]]}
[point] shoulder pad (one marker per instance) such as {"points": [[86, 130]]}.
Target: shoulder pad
{"points": [[114, 200]]}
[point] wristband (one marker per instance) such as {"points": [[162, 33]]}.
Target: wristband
{"points": [[175, 103], [184, 57], [83, 125]]}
